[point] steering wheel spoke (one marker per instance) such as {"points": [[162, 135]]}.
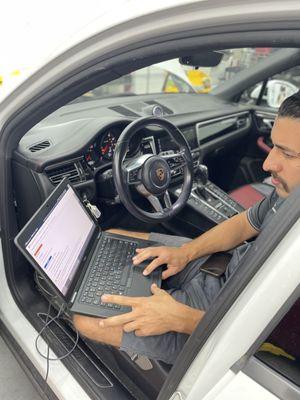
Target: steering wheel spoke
{"points": [[176, 162], [167, 199], [156, 202], [133, 175], [133, 170]]}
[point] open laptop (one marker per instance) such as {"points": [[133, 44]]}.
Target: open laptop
{"points": [[77, 260]]}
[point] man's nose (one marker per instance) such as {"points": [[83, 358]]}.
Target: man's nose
{"points": [[272, 163]]}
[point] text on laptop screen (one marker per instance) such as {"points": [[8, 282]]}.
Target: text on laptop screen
{"points": [[58, 245]]}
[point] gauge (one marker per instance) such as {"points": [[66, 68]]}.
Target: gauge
{"points": [[108, 144], [90, 155]]}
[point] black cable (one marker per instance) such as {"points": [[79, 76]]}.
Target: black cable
{"points": [[53, 319], [38, 281], [48, 352], [48, 321]]}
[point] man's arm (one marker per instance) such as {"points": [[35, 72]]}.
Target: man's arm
{"points": [[161, 313], [223, 237]]}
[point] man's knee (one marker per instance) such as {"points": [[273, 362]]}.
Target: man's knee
{"points": [[139, 235], [89, 327]]}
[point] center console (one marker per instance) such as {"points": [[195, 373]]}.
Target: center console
{"points": [[209, 200]]}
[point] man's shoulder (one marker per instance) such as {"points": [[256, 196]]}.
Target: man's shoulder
{"points": [[257, 213], [272, 198]]}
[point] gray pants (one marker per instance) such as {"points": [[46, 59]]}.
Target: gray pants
{"points": [[191, 287]]}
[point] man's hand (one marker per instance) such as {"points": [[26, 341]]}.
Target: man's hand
{"points": [[175, 258], [152, 315]]}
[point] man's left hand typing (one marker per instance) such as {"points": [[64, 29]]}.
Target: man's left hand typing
{"points": [[153, 315]]}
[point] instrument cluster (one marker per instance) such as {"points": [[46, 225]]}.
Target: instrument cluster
{"points": [[102, 150], [144, 141]]}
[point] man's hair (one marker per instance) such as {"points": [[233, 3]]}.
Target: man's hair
{"points": [[290, 107]]}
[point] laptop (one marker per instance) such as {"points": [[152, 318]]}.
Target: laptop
{"points": [[77, 260]]}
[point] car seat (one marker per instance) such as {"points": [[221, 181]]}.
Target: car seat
{"points": [[249, 194]]}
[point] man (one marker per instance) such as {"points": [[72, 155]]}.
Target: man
{"points": [[159, 325]]}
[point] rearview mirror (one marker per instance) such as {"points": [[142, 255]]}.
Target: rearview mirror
{"points": [[203, 59]]}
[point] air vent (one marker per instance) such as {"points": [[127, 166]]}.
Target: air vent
{"points": [[124, 111], [40, 146], [165, 109], [70, 171]]}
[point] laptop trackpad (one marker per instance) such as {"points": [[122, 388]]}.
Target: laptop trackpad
{"points": [[139, 285]]}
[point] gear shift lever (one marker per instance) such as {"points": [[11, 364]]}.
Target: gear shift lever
{"points": [[202, 172], [201, 178]]}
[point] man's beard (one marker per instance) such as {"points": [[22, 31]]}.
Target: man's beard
{"points": [[283, 183]]}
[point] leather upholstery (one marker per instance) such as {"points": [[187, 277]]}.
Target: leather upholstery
{"points": [[250, 194]]}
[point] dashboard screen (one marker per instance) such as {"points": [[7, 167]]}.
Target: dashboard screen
{"points": [[166, 143], [191, 136]]}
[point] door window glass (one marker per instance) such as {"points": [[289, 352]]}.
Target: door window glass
{"points": [[281, 350]]}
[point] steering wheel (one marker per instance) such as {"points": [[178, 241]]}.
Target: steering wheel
{"points": [[150, 174]]}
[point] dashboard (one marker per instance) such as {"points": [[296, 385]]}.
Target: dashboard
{"points": [[101, 151], [78, 141]]}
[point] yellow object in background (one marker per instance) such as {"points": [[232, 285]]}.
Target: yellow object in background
{"points": [[8, 76], [277, 351], [15, 72], [200, 80], [170, 86]]}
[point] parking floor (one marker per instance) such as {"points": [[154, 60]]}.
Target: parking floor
{"points": [[14, 384]]}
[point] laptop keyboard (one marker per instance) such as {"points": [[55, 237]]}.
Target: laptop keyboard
{"points": [[111, 273]]}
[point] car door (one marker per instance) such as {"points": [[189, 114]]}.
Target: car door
{"points": [[271, 75]]}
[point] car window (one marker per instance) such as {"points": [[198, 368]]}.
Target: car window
{"points": [[173, 77], [150, 80], [277, 88], [281, 350]]}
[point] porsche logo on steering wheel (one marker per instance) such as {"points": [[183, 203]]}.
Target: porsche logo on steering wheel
{"points": [[160, 173]]}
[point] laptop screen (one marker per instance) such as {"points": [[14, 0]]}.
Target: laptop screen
{"points": [[59, 243]]}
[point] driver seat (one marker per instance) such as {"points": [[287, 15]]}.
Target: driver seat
{"points": [[249, 194]]}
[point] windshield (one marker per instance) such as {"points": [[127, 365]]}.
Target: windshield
{"points": [[172, 77]]}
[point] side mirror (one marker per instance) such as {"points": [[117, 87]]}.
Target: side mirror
{"points": [[275, 92], [278, 90]]}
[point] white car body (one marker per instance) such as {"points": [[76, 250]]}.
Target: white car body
{"points": [[211, 376], [85, 23]]}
